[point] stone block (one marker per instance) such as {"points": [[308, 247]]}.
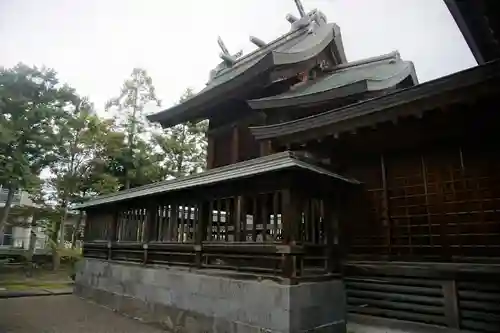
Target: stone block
{"points": [[182, 301]]}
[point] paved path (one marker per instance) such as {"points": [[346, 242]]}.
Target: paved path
{"points": [[70, 314], [63, 314]]}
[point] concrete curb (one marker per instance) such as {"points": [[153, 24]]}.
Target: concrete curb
{"points": [[33, 293]]}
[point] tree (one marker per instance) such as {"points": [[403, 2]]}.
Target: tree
{"points": [[135, 162], [183, 146], [81, 139], [30, 102]]}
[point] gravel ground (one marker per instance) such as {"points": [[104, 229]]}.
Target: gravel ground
{"points": [[63, 314]]}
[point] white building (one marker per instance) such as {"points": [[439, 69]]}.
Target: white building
{"points": [[18, 236]]}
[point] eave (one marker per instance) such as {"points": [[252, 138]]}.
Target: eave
{"points": [[411, 101], [373, 74], [285, 55], [478, 20], [246, 169]]}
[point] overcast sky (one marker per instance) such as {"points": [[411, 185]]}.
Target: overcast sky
{"points": [[94, 44]]}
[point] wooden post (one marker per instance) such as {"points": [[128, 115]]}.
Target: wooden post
{"points": [[113, 228], [235, 145], [265, 147], [87, 228], [332, 228], [290, 221], [204, 214], [210, 151], [385, 197], [239, 220], [150, 229], [291, 218]]}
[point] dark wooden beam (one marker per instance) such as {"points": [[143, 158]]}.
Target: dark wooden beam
{"points": [[385, 201], [210, 152], [235, 145]]}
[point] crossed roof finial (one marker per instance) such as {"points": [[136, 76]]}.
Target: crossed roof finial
{"points": [[302, 12]]}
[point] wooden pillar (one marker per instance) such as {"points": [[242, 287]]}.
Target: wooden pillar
{"points": [[240, 220], [204, 214], [150, 229], [235, 145], [291, 219], [112, 234], [265, 147], [385, 203], [210, 151], [335, 249], [87, 228]]}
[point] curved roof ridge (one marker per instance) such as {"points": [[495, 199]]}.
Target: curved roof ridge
{"points": [[392, 56]]}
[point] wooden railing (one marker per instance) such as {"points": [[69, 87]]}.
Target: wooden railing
{"points": [[271, 228], [285, 263]]}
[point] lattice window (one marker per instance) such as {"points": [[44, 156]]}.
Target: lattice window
{"points": [[250, 218], [131, 223], [177, 222]]}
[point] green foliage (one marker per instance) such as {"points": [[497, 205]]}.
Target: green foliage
{"points": [[30, 103], [133, 163], [183, 147], [47, 126]]}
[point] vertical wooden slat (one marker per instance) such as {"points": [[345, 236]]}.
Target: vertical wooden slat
{"points": [[193, 222], [137, 217], [164, 222], [451, 309], [118, 224], [112, 235], [143, 215], [322, 222], [123, 225], [174, 220], [275, 214], [219, 208], [265, 216], [149, 225], [229, 217], [385, 201], [237, 220], [244, 221], [182, 229], [210, 220], [307, 221], [203, 218], [255, 219], [87, 229], [314, 222]]}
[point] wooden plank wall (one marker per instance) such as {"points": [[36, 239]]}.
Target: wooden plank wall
{"points": [[440, 202]]}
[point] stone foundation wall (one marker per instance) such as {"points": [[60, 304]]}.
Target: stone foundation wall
{"points": [[183, 301]]}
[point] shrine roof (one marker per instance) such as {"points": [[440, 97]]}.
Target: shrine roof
{"points": [[387, 107], [254, 167], [371, 74], [284, 57]]}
